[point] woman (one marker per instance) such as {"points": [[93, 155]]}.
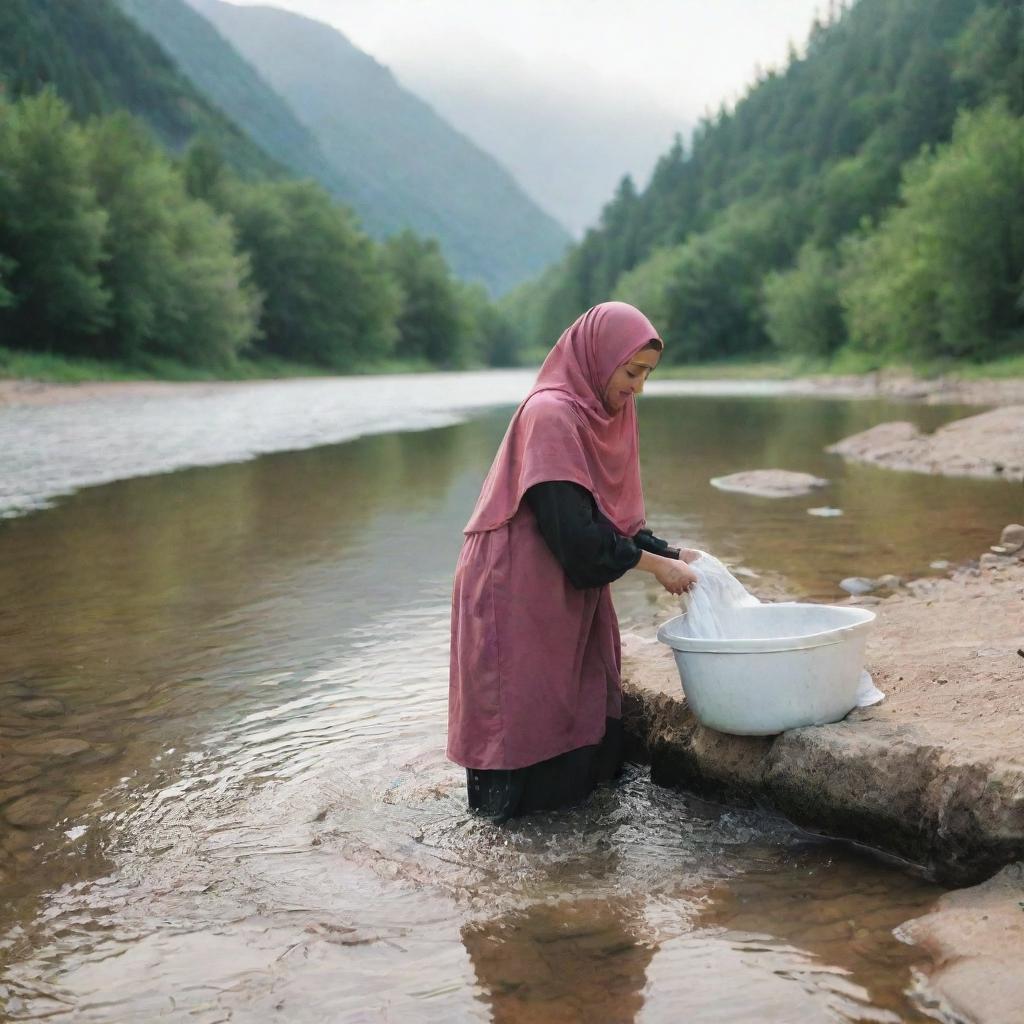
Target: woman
{"points": [[534, 703]]}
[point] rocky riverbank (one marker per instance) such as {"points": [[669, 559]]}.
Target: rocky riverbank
{"points": [[933, 775], [883, 384], [950, 390], [990, 444], [975, 938]]}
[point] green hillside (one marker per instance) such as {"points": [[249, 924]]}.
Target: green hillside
{"points": [[407, 167], [849, 202], [223, 75], [99, 61]]}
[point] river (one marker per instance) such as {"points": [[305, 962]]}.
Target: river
{"points": [[224, 672]]}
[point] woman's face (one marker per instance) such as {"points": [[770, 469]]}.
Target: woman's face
{"points": [[629, 379]]}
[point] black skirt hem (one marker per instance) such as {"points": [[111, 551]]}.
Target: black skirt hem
{"points": [[560, 781]]}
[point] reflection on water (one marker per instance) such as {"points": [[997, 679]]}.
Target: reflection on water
{"points": [[584, 960], [222, 703], [893, 522]]}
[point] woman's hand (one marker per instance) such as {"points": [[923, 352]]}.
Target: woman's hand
{"points": [[675, 575], [672, 573], [688, 555]]}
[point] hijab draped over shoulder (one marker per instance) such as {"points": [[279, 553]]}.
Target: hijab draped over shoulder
{"points": [[562, 430]]}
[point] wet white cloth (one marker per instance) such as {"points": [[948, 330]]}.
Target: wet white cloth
{"points": [[717, 590]]}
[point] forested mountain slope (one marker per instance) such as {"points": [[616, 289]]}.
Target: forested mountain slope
{"points": [[100, 61], [784, 218], [226, 78], [407, 167]]}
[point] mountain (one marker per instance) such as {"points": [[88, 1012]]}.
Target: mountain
{"points": [[405, 165], [100, 61], [809, 159], [213, 65]]}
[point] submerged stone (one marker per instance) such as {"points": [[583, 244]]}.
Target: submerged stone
{"points": [[34, 810], [58, 746], [769, 483], [40, 707]]}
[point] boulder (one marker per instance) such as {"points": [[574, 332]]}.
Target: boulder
{"points": [[1012, 538], [990, 444], [769, 483], [975, 938], [35, 810]]}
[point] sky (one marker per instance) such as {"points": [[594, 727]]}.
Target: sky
{"points": [[570, 95]]}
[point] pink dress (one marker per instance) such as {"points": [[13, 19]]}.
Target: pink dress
{"points": [[535, 662]]}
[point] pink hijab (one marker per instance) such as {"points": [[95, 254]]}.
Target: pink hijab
{"points": [[562, 431]]}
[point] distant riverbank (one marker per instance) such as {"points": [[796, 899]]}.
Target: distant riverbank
{"points": [[31, 378], [57, 369]]}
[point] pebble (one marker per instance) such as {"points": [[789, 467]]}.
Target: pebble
{"points": [[11, 792], [22, 772], [857, 585], [18, 690], [34, 810], [939, 564], [890, 581], [40, 707], [991, 560], [58, 746]]}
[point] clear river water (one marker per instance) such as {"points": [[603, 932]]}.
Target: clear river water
{"points": [[223, 682]]}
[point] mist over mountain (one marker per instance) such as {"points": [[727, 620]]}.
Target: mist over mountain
{"points": [[570, 160], [864, 202], [405, 166], [226, 78]]}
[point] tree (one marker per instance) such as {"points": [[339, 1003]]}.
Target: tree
{"points": [[943, 273], [327, 298], [712, 304], [51, 229], [492, 336], [802, 311], [6, 267], [429, 322], [178, 287], [204, 170], [647, 285], [989, 54]]}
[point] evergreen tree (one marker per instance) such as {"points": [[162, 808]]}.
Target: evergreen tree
{"points": [[826, 137]]}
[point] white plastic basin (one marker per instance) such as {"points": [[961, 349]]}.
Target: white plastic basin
{"points": [[777, 666]]}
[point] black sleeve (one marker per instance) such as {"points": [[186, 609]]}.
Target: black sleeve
{"points": [[646, 541], [590, 550]]}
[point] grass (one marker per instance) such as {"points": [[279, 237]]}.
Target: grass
{"points": [[66, 369], [60, 369]]}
